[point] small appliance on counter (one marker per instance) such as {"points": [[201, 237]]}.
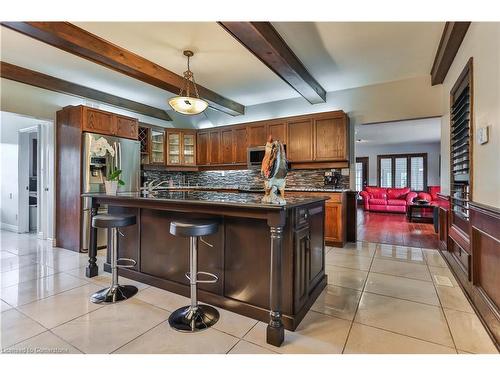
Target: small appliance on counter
{"points": [[332, 178]]}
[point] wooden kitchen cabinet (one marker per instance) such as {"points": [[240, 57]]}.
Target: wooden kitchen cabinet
{"points": [[300, 141], [107, 123], [202, 148], [127, 127], [240, 145], [214, 146], [331, 139], [181, 147], [97, 121], [157, 146], [277, 130], [257, 134], [227, 146]]}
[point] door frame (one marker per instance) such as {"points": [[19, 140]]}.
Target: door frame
{"points": [[365, 160], [23, 176]]}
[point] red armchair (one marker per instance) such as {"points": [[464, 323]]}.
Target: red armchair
{"points": [[387, 199], [431, 195]]}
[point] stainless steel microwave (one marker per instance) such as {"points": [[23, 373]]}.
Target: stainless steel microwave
{"points": [[255, 156]]}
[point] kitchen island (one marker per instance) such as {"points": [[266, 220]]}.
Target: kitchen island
{"points": [[269, 258]]}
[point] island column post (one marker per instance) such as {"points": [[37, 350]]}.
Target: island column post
{"points": [[275, 333], [92, 268]]}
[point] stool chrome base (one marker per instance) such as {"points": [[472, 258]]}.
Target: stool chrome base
{"points": [[114, 294], [187, 319]]}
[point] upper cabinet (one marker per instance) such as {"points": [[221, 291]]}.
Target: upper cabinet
{"points": [[181, 147], [311, 140], [300, 141], [331, 137], [157, 146], [107, 123], [277, 130], [257, 134]]}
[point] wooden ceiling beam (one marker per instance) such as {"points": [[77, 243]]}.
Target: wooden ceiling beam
{"points": [[77, 41], [262, 39], [451, 39], [44, 81]]}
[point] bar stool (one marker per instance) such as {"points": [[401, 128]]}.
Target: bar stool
{"points": [[115, 292], [194, 317]]}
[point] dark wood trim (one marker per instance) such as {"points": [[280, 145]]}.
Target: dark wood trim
{"points": [[72, 39], [480, 282], [451, 39], [262, 39], [44, 81], [408, 167]]}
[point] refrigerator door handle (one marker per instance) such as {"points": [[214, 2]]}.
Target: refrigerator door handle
{"points": [[116, 155], [120, 155]]}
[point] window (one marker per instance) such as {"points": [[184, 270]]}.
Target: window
{"points": [[399, 171], [385, 172], [359, 176]]}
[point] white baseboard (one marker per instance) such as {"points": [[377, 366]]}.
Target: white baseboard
{"points": [[9, 227]]}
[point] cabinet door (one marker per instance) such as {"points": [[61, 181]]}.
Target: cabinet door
{"points": [[277, 131], [214, 148], [240, 145], [127, 127], [202, 148], [157, 146], [301, 268], [330, 139], [173, 148], [98, 122], [300, 141], [227, 146], [333, 221], [144, 136], [188, 148], [316, 245], [257, 135]]}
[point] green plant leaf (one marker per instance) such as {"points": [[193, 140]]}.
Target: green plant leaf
{"points": [[113, 176], [120, 182]]}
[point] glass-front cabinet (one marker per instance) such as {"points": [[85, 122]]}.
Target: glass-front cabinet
{"points": [[181, 147], [157, 146]]}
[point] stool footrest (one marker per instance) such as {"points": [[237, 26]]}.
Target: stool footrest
{"points": [[214, 278], [131, 263]]}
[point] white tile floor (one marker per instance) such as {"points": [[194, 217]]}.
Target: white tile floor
{"points": [[380, 299]]}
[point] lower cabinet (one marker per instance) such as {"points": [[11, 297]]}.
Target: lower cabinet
{"points": [[309, 254]]}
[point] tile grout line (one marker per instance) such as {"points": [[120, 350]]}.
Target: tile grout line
{"points": [[359, 301], [441, 304], [142, 334]]}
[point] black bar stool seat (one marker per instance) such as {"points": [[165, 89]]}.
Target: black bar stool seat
{"points": [[193, 228], [115, 292], [113, 221], [194, 317]]}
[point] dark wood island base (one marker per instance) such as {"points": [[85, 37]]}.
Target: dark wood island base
{"points": [[269, 258]]}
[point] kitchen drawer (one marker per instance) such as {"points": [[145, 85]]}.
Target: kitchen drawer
{"points": [[463, 258]]}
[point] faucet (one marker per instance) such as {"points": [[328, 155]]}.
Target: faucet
{"points": [[152, 187]]}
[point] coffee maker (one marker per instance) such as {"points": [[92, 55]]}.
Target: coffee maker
{"points": [[332, 178]]}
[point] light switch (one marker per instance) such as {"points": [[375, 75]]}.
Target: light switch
{"points": [[482, 135]]}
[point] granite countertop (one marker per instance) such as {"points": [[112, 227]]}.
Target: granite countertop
{"points": [[253, 189], [208, 197]]}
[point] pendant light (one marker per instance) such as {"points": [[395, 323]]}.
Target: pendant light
{"points": [[185, 103]]}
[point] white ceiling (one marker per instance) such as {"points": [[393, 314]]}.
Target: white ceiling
{"points": [[389, 133], [343, 55], [338, 55]]}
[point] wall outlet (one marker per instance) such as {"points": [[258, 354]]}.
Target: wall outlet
{"points": [[345, 171], [482, 135]]}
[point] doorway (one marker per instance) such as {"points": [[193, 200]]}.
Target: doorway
{"points": [[361, 173], [27, 175]]}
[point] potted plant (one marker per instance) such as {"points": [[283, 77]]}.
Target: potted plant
{"points": [[112, 181]]}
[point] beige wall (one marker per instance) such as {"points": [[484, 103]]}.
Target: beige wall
{"points": [[482, 42]]}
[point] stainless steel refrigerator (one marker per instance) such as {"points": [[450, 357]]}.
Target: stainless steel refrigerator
{"points": [[101, 153]]}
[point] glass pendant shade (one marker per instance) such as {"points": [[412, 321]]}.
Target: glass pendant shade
{"points": [[188, 105]]}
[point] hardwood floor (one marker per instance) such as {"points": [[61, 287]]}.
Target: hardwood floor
{"points": [[395, 229]]}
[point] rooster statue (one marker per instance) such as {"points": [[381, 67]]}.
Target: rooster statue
{"points": [[274, 169]]}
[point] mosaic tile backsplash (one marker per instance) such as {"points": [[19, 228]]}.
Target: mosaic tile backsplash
{"points": [[248, 178]]}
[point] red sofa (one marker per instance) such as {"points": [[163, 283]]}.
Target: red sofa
{"points": [[387, 199]]}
